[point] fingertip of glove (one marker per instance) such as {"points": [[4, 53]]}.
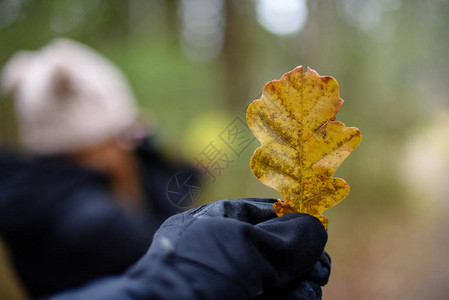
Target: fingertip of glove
{"points": [[307, 229], [326, 259], [321, 270], [304, 220], [305, 290]]}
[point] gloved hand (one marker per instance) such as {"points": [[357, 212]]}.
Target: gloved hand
{"points": [[306, 288], [230, 249]]}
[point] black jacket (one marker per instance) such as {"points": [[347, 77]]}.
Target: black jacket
{"points": [[61, 226]]}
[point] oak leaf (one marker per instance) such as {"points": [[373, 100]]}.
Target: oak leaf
{"points": [[301, 144]]}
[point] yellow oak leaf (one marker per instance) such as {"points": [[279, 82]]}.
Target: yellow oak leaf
{"points": [[302, 145]]}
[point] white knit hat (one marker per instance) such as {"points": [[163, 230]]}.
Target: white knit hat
{"points": [[68, 97]]}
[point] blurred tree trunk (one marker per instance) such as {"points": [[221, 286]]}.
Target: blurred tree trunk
{"points": [[8, 128], [236, 49], [171, 9]]}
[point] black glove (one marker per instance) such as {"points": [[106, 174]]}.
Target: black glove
{"points": [[230, 249], [306, 288]]}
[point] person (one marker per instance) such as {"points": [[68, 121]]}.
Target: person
{"points": [[89, 191], [82, 206]]}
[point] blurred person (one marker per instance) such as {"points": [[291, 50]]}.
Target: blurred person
{"points": [[87, 196], [84, 202], [72, 102]]}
